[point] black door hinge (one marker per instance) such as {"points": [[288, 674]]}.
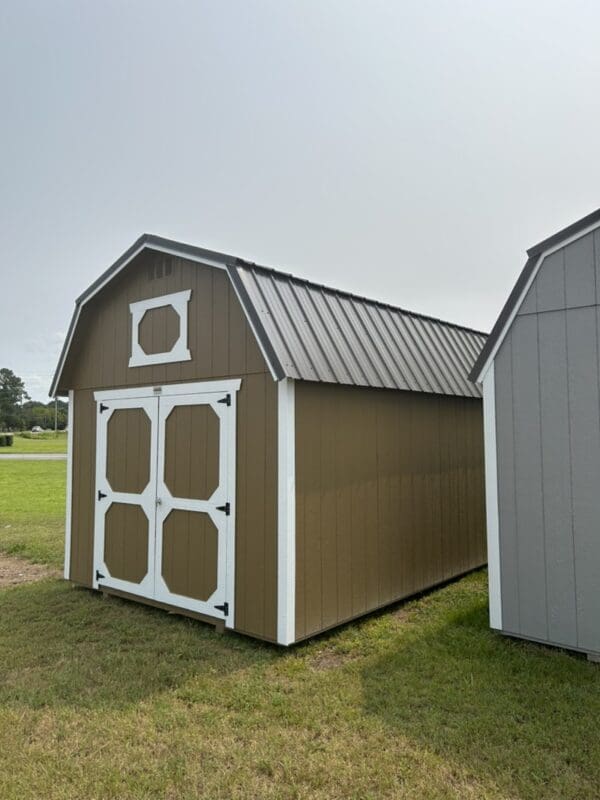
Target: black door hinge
{"points": [[99, 575], [101, 495], [226, 508], [226, 400], [103, 407], [224, 608]]}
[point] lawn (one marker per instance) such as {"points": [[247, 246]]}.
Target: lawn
{"points": [[108, 699], [38, 443], [32, 509]]}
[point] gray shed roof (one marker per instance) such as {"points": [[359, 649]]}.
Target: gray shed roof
{"points": [[323, 334], [315, 333]]}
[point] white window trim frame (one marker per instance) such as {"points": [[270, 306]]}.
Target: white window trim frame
{"points": [[69, 495], [230, 386], [286, 512], [179, 302], [491, 499]]}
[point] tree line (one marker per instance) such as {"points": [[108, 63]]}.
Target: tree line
{"points": [[19, 412]]}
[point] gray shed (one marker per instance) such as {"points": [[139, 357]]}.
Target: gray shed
{"points": [[541, 378]]}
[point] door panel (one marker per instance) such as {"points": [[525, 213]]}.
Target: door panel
{"points": [[189, 554], [165, 495], [192, 496], [126, 494]]}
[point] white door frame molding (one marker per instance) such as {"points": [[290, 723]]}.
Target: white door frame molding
{"points": [[158, 401]]}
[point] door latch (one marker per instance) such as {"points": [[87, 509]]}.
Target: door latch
{"points": [[159, 501]]}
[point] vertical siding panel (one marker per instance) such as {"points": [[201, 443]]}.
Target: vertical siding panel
{"points": [[313, 424], [582, 353], [580, 278], [237, 334], [560, 574], [368, 413], [387, 444], [255, 511], [343, 507], [507, 507], [220, 323], [550, 283], [528, 458], [327, 475], [84, 481]]}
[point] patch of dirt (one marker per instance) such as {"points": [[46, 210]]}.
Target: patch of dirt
{"points": [[16, 570], [401, 614], [329, 659]]}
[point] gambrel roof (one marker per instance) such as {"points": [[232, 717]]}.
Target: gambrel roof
{"points": [[312, 332], [535, 256]]}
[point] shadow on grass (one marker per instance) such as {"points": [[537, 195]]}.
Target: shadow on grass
{"points": [[515, 713], [61, 646]]}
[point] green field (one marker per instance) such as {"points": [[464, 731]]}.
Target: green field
{"points": [[38, 443], [108, 699]]}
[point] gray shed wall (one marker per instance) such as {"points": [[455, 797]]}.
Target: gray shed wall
{"points": [[547, 382]]}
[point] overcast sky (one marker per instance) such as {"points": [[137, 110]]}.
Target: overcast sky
{"points": [[408, 151]]}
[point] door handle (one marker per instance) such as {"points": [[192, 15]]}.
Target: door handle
{"points": [[159, 501]]}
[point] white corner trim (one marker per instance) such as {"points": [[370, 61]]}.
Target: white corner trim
{"points": [[286, 513], [491, 499], [69, 498], [179, 352], [526, 288]]}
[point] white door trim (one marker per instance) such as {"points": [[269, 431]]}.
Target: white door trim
{"points": [[491, 498], [146, 499], [223, 494], [134, 397], [286, 512], [69, 497], [231, 385]]}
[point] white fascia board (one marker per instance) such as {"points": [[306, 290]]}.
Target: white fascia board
{"points": [[165, 390], [286, 512], [173, 251], [491, 499], [69, 498], [526, 288]]}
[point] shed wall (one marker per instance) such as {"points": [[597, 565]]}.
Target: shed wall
{"points": [[222, 346], [548, 454], [389, 498]]}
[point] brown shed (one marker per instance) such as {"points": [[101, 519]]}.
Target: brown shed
{"points": [[264, 452]]}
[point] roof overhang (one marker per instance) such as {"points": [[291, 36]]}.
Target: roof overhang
{"points": [[209, 258], [536, 256]]}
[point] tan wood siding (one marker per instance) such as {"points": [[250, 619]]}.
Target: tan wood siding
{"points": [[220, 340], [389, 498], [222, 345], [84, 483]]}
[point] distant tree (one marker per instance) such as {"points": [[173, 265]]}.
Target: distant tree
{"points": [[12, 396]]}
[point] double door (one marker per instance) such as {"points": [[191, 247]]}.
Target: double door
{"points": [[165, 483]]}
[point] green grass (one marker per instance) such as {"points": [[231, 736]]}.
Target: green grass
{"points": [[38, 443], [32, 509], [109, 699]]}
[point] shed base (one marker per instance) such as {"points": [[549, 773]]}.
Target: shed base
{"points": [[218, 624], [595, 657]]}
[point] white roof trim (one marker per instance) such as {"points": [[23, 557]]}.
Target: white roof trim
{"points": [[170, 250], [515, 310]]}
